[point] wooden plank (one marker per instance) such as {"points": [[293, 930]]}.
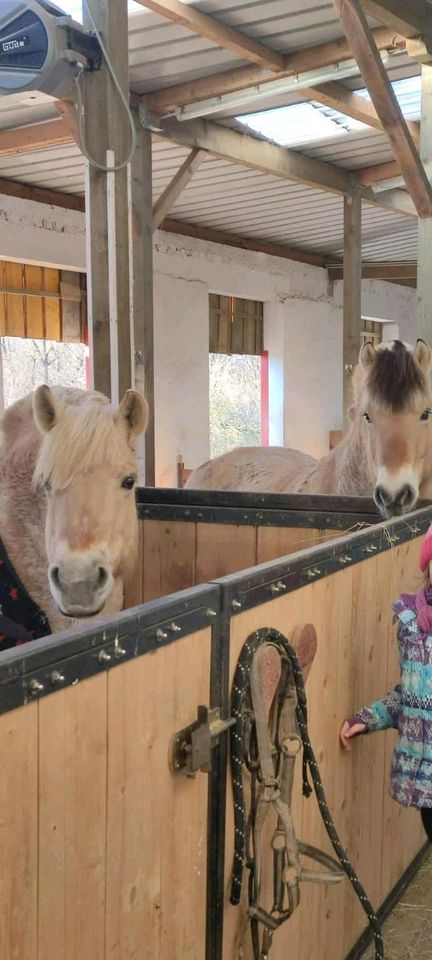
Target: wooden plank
{"points": [[72, 821], [34, 306], [284, 251], [142, 297], [18, 834], [360, 37], [378, 271], [352, 319], [341, 98], [228, 81], [35, 136], [168, 197], [13, 277], [216, 31], [11, 188], [168, 557], [51, 280], [157, 822], [107, 210], [424, 286], [367, 176], [223, 550], [274, 542], [71, 295]]}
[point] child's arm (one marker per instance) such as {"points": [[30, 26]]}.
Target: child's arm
{"points": [[379, 715]]}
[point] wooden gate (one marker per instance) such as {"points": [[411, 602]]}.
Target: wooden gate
{"points": [[107, 854]]}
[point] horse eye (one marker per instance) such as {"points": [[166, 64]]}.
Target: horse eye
{"points": [[367, 418], [425, 415], [48, 486], [128, 483]]}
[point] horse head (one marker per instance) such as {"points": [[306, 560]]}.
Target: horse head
{"points": [[87, 465], [393, 410]]}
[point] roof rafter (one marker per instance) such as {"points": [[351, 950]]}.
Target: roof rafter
{"points": [[340, 98], [229, 81], [283, 250], [205, 26], [277, 161], [384, 99]]}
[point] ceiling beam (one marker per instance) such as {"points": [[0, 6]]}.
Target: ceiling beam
{"points": [[384, 99], [313, 58], [378, 271], [53, 133], [340, 98], [257, 154], [408, 17], [283, 251], [176, 186], [377, 173], [24, 191], [219, 33], [69, 114], [276, 161]]}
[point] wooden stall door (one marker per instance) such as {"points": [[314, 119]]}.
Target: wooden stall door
{"points": [[103, 851], [356, 661]]}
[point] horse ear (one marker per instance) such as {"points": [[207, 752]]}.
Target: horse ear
{"points": [[422, 355], [367, 355], [46, 410], [134, 410]]}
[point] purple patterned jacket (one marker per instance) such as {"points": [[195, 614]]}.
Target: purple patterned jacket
{"points": [[408, 708]]}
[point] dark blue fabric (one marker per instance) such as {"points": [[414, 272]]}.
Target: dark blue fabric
{"points": [[21, 620]]}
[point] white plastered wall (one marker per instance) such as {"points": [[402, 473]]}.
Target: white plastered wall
{"points": [[303, 327]]}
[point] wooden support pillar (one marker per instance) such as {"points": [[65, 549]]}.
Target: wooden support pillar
{"points": [[107, 139], [142, 296], [351, 293], [424, 266]]}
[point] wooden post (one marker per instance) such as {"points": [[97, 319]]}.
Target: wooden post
{"points": [[424, 263], [142, 299], [107, 139], [351, 293]]}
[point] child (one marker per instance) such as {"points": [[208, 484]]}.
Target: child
{"points": [[408, 707]]}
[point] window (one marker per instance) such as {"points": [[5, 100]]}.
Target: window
{"points": [[238, 375], [42, 329]]}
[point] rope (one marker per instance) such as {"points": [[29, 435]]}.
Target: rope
{"points": [[238, 701]]}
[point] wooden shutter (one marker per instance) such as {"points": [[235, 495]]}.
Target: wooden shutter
{"points": [[41, 303], [236, 326]]}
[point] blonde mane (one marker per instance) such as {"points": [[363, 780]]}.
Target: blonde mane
{"points": [[88, 435]]}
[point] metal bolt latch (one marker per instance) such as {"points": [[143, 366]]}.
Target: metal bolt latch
{"points": [[35, 687], [104, 657], [56, 678], [191, 748], [278, 587], [236, 604]]}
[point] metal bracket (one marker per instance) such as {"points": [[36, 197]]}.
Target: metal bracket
{"points": [[191, 748], [149, 120]]}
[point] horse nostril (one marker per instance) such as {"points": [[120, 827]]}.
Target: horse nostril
{"points": [[102, 577], [405, 497], [55, 576], [382, 498]]}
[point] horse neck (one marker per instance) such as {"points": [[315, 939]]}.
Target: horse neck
{"points": [[346, 469]]}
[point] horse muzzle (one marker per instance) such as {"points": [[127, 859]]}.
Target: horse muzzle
{"points": [[81, 584], [392, 504]]}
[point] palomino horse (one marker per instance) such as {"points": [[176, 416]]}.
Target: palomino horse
{"points": [[386, 451], [68, 518]]}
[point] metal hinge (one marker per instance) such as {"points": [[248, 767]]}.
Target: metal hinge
{"points": [[191, 748]]}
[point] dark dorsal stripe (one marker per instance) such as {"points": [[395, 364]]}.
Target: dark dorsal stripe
{"points": [[395, 377]]}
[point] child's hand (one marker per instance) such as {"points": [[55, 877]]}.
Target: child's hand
{"points": [[348, 732]]}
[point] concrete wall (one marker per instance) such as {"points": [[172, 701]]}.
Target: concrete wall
{"points": [[303, 327]]}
